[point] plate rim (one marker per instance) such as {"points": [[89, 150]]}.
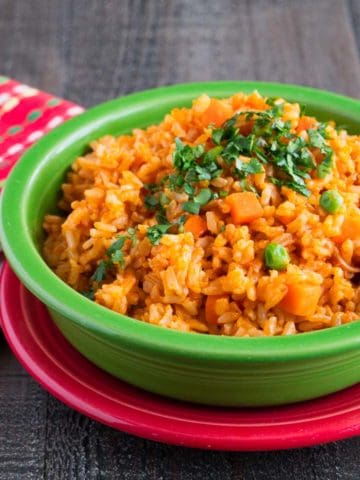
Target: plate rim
{"points": [[322, 431]]}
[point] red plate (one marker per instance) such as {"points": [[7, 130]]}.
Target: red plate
{"points": [[65, 373]]}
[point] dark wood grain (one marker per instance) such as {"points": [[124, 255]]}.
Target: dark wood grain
{"points": [[90, 51]]}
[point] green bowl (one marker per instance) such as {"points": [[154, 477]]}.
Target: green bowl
{"points": [[187, 366]]}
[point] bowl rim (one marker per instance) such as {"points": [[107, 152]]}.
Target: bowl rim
{"points": [[32, 270]]}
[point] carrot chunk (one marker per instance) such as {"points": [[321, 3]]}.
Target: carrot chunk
{"points": [[349, 229], [196, 225], [305, 123], [244, 207], [301, 299], [216, 113], [210, 304]]}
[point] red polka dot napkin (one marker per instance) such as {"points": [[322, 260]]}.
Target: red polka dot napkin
{"points": [[26, 114]]}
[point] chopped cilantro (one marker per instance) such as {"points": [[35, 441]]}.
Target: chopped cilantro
{"points": [[217, 136], [238, 145], [151, 201], [155, 232], [272, 141], [185, 155], [174, 180], [203, 197], [203, 173], [191, 207], [180, 222], [211, 155], [114, 255], [298, 187], [117, 245], [163, 199], [118, 257], [316, 139], [101, 271], [90, 294], [132, 235], [242, 169], [189, 189], [151, 187], [248, 187], [226, 132], [324, 168]]}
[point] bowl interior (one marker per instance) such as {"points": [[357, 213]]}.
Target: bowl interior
{"points": [[33, 187]]}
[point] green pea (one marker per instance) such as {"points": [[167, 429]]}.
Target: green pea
{"points": [[331, 201], [276, 256]]}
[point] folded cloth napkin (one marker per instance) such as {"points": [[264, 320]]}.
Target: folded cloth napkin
{"points": [[26, 114]]}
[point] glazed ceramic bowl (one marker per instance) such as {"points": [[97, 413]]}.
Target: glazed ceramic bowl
{"points": [[186, 366]]}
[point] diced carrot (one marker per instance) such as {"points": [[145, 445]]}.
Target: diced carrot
{"points": [[247, 127], [285, 219], [305, 123], [196, 225], [349, 229], [301, 299], [216, 113], [244, 207], [210, 313]]}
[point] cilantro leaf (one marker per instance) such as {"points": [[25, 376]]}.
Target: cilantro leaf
{"points": [[155, 232], [324, 168], [151, 187], [298, 187], [132, 235], [212, 154], [101, 271], [316, 138], [248, 187], [151, 201], [204, 196], [217, 136], [117, 245], [189, 189], [161, 216], [180, 222], [191, 207], [223, 193], [90, 294], [163, 199], [184, 156], [118, 257], [242, 169]]}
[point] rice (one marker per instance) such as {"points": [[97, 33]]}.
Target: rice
{"points": [[169, 282]]}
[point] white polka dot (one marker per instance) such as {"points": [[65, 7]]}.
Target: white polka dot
{"points": [[74, 110], [35, 136], [17, 147], [20, 88], [54, 122], [4, 97], [25, 90]]}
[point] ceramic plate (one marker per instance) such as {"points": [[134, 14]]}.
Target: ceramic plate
{"points": [[65, 373]]}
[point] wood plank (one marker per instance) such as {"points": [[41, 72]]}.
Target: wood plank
{"points": [[354, 20], [69, 51], [22, 431], [32, 43]]}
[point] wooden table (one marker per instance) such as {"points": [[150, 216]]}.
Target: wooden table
{"points": [[89, 51]]}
